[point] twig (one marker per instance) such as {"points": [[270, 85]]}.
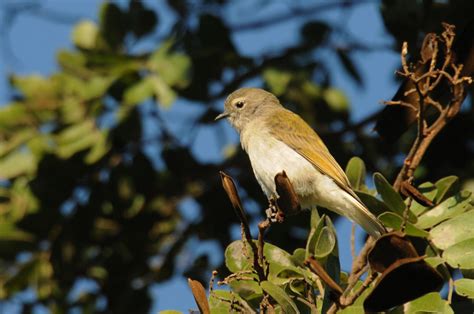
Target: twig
{"points": [[353, 231], [422, 81], [346, 301], [262, 227], [211, 281], [451, 289], [317, 269]]}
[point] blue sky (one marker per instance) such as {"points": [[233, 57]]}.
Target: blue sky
{"points": [[33, 41]]}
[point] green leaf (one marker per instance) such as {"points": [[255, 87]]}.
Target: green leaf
{"points": [[429, 303], [428, 190], [454, 230], [236, 256], [376, 206], [356, 173], [84, 34], [393, 200], [280, 296], [17, 163], [13, 114], [275, 255], [461, 255], [277, 80], [299, 256], [170, 312], [172, 67], [224, 302], [325, 243], [465, 287], [99, 148], [434, 261], [164, 94], [36, 87], [449, 208], [9, 231], [336, 99], [394, 221], [17, 139], [446, 187], [249, 290], [314, 233], [138, 92]]}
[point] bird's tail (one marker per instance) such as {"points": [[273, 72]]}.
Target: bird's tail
{"points": [[363, 217]]}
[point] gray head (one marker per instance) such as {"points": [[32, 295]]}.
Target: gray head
{"points": [[245, 104]]}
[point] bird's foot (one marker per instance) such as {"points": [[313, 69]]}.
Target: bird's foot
{"points": [[274, 214]]}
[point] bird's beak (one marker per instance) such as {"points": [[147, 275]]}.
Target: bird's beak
{"points": [[222, 116]]}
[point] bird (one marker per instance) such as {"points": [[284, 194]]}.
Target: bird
{"points": [[276, 139]]}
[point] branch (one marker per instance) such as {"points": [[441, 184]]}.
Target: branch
{"points": [[425, 84]]}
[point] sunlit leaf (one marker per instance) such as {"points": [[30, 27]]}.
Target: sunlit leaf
{"points": [[237, 255], [336, 99], [429, 303], [17, 163], [454, 230], [465, 287], [172, 67], [85, 34], [449, 208], [277, 80], [461, 254], [355, 171], [446, 187]]}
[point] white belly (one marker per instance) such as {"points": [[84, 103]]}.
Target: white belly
{"points": [[270, 156]]}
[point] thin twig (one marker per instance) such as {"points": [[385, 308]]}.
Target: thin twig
{"points": [[353, 232]]}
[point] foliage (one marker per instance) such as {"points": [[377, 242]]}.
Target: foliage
{"points": [[444, 236], [94, 176]]}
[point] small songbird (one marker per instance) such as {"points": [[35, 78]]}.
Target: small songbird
{"points": [[277, 140]]}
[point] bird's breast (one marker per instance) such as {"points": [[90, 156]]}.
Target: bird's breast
{"points": [[270, 156]]}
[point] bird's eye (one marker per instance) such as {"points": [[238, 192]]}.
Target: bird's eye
{"points": [[239, 104]]}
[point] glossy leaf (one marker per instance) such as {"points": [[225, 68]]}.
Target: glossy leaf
{"points": [[325, 243], [461, 254], [453, 231], [376, 206], [394, 221], [237, 256], [447, 186], [393, 200], [429, 191], [465, 287], [429, 303], [280, 296], [449, 208], [355, 171]]}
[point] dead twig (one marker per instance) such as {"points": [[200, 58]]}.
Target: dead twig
{"points": [[425, 84]]}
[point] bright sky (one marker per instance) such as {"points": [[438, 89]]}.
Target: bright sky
{"points": [[34, 40]]}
